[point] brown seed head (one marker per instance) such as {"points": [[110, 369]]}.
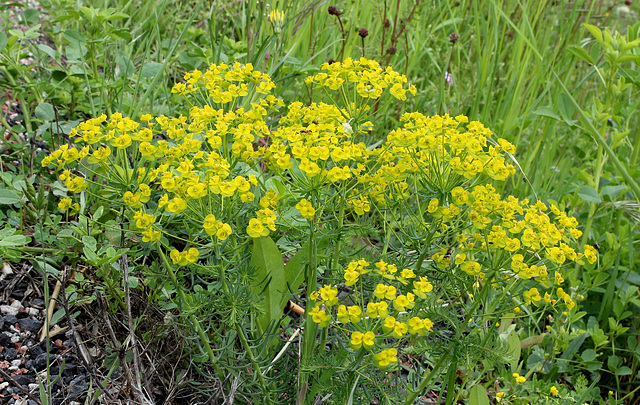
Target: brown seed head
{"points": [[453, 38], [391, 50], [363, 33], [331, 61], [333, 10]]}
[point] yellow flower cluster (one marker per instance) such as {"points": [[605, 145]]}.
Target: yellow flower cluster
{"points": [[385, 311], [368, 77], [221, 84]]}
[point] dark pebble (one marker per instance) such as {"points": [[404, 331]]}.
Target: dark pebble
{"points": [[22, 315], [41, 361], [29, 342], [35, 350], [32, 402], [5, 340], [17, 295], [10, 353], [30, 324], [78, 387], [37, 303], [10, 320], [24, 379], [28, 364]]}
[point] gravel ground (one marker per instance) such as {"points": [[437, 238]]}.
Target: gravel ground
{"points": [[24, 360]]}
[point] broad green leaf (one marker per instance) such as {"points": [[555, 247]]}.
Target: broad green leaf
{"points": [[595, 31], [589, 194], [478, 396], [269, 280], [565, 106], [612, 191], [151, 69], [117, 16], [13, 240], [572, 348], [547, 111], [581, 53], [624, 370], [3, 40], [514, 350], [8, 197], [45, 112], [294, 270], [588, 355], [125, 66], [532, 340]]}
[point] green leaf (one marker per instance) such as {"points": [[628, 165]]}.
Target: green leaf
{"points": [[588, 355], [595, 31], [565, 106], [125, 66], [30, 16], [151, 69], [478, 396], [547, 111], [624, 370], [532, 340], [8, 197], [13, 240], [45, 112], [3, 40], [581, 53], [572, 348], [294, 270], [117, 16], [269, 280], [589, 194], [612, 191], [514, 350]]}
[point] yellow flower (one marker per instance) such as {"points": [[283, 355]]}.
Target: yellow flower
{"points": [[377, 309], [306, 209], [329, 295], [64, 204], [320, 316], [422, 287], [256, 229], [385, 357], [519, 378], [554, 391], [224, 230]]}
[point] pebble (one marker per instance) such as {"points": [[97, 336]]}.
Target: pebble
{"points": [[16, 304], [4, 386], [30, 325], [10, 353], [5, 339], [10, 319], [9, 310], [16, 363], [33, 311]]}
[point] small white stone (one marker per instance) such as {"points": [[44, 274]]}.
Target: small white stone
{"points": [[4, 386], [32, 311], [16, 363], [15, 338], [9, 310], [33, 387], [16, 304]]}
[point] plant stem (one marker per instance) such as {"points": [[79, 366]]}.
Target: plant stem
{"points": [[309, 335], [254, 363], [203, 337]]}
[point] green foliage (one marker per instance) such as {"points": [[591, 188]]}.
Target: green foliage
{"points": [[550, 77]]}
